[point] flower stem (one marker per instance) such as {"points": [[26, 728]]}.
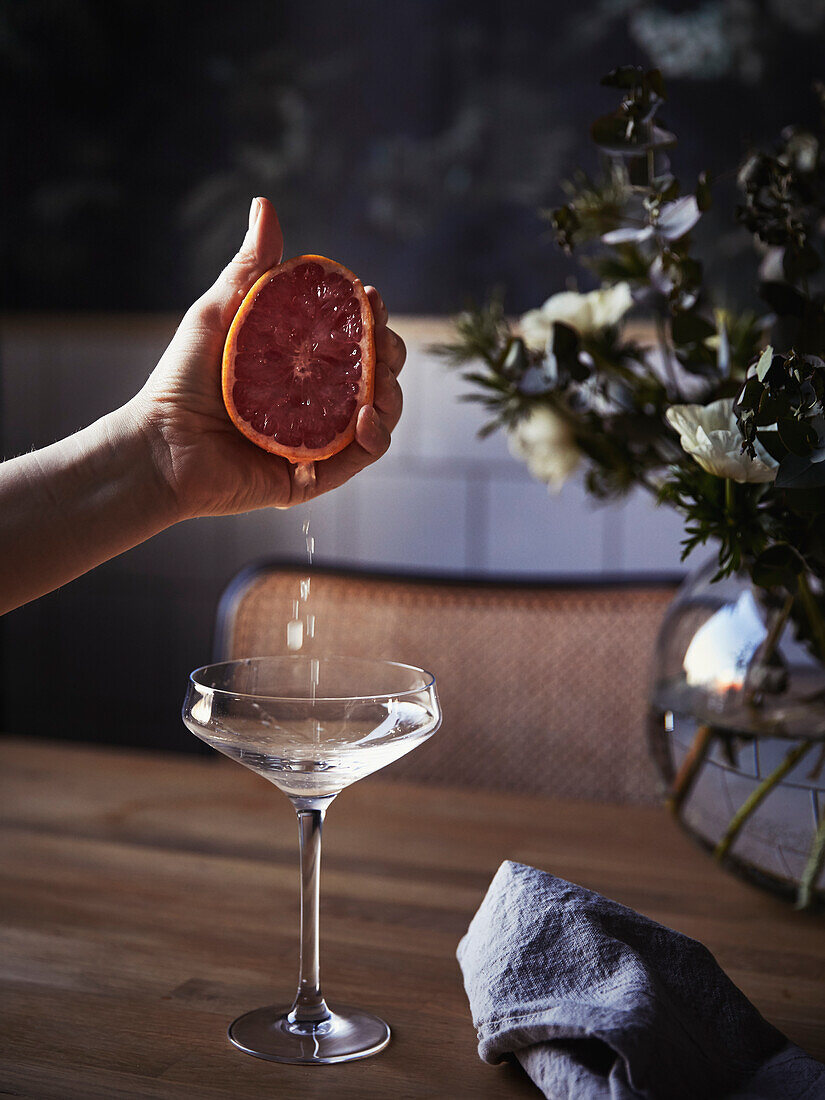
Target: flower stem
{"points": [[730, 497], [814, 615], [757, 796], [689, 769], [813, 866], [766, 650], [661, 337]]}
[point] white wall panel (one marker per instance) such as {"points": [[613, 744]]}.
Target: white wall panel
{"points": [[440, 499]]}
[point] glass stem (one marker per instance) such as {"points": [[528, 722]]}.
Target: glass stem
{"points": [[309, 1006]]}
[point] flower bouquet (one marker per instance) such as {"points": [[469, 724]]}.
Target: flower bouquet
{"points": [[717, 412]]}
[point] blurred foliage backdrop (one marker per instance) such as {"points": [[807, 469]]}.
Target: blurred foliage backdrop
{"points": [[415, 140]]}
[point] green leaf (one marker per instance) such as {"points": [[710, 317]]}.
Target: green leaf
{"points": [[565, 351], [751, 396], [779, 565], [798, 436], [488, 381], [565, 341], [769, 411], [488, 428], [773, 445], [515, 359], [691, 328]]}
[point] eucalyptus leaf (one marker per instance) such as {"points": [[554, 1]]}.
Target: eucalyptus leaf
{"points": [[782, 298], [751, 396], [773, 445], [798, 436], [565, 344], [798, 472], [769, 411], [764, 364]]}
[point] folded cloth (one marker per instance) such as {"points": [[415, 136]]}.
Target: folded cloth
{"points": [[597, 1001]]}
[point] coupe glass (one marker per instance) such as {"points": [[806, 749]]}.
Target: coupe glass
{"points": [[312, 727]]}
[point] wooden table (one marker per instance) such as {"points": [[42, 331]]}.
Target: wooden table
{"points": [[146, 901]]}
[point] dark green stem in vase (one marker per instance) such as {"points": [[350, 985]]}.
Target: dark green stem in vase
{"points": [[768, 647], [813, 867], [686, 776], [730, 497], [757, 796], [816, 852], [814, 614]]}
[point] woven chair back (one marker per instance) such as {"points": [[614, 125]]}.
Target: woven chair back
{"points": [[543, 687]]}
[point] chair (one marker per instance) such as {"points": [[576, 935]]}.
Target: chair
{"points": [[543, 685]]}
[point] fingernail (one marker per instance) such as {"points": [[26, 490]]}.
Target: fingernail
{"points": [[254, 211]]}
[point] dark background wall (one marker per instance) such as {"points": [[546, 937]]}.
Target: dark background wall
{"points": [[415, 140]]}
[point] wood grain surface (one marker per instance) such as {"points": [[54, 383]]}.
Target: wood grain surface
{"points": [[146, 901]]}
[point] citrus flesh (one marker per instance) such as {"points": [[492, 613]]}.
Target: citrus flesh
{"points": [[299, 359]]}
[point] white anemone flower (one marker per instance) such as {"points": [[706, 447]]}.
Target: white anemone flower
{"points": [[546, 443], [710, 434], [586, 313]]}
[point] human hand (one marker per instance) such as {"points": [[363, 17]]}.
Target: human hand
{"points": [[210, 468]]}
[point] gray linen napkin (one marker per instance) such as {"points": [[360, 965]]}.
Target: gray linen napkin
{"points": [[597, 1001]]}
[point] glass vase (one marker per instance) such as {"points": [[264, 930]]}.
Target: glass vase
{"points": [[737, 730]]}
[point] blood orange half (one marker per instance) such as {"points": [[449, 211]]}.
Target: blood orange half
{"points": [[299, 359]]}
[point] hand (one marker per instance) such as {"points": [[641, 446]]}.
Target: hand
{"points": [[208, 465]]}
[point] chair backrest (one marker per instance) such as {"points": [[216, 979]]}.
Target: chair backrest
{"points": [[543, 686]]}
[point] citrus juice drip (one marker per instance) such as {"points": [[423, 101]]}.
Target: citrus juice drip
{"points": [[301, 627]]}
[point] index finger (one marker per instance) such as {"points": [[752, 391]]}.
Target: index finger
{"points": [[379, 310]]}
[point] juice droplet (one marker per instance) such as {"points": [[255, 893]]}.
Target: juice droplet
{"points": [[304, 476], [310, 626], [305, 585], [294, 634]]}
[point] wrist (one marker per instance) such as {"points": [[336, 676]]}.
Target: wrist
{"points": [[130, 456]]}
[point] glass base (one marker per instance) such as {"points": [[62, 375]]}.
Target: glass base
{"points": [[347, 1034]]}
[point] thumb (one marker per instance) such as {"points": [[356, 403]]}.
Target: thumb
{"points": [[262, 248]]}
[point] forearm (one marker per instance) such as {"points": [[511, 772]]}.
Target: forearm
{"points": [[77, 503]]}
